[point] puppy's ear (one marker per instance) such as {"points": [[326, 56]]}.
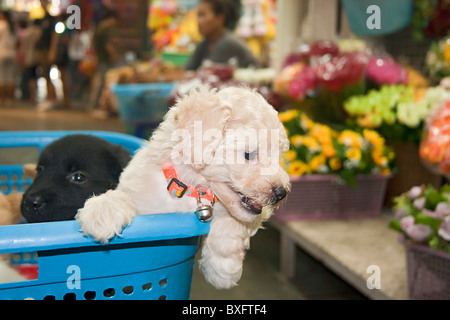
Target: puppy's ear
{"points": [[122, 155], [30, 170], [203, 116]]}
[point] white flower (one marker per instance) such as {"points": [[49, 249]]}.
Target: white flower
{"points": [[419, 203], [442, 209], [444, 229], [414, 192]]}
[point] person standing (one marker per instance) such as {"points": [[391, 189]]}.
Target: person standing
{"points": [[30, 38], [107, 58], [43, 47], [8, 47]]}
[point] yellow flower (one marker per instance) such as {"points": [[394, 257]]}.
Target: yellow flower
{"points": [[322, 133], [296, 140], [391, 155], [310, 142], [373, 137], [350, 139], [297, 168], [379, 158], [335, 163], [305, 122], [328, 150], [369, 121], [290, 155], [287, 115], [316, 162], [385, 171], [353, 154]]}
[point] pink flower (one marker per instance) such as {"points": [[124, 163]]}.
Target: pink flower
{"points": [[343, 70], [442, 210], [386, 71], [417, 232], [414, 192], [406, 222], [303, 82], [444, 229], [419, 203]]}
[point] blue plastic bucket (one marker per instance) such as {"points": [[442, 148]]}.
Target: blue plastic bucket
{"points": [[144, 103], [394, 15]]}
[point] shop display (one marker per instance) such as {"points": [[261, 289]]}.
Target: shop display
{"points": [[422, 217], [174, 26], [318, 149], [397, 112], [435, 144], [320, 78], [430, 19], [334, 174], [221, 76], [257, 27], [438, 59]]}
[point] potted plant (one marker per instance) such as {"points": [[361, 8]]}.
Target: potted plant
{"points": [[422, 216], [333, 173], [398, 113]]}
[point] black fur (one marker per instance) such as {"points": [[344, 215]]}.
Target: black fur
{"points": [[69, 171]]}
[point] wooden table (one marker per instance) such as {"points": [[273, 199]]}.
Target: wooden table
{"points": [[359, 250]]}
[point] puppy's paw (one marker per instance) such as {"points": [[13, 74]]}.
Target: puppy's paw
{"points": [[221, 272], [104, 216]]}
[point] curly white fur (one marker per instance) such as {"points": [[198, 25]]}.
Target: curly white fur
{"points": [[204, 136]]}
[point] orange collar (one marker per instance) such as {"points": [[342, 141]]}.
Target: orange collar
{"points": [[179, 189]]}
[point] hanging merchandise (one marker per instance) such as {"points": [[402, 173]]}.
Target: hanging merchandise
{"points": [[377, 17], [257, 25], [174, 29]]}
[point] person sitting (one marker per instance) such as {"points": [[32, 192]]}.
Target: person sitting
{"points": [[216, 19]]}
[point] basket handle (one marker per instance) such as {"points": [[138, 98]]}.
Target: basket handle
{"points": [[150, 92]]}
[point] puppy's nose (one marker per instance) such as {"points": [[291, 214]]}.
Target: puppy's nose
{"points": [[35, 203], [280, 193]]}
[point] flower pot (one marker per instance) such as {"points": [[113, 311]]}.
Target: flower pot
{"points": [[428, 272], [324, 196]]}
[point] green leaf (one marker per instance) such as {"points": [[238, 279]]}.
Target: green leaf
{"points": [[349, 177], [395, 225], [433, 197], [427, 220]]}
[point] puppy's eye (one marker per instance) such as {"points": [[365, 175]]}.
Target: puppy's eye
{"points": [[250, 155], [77, 177]]}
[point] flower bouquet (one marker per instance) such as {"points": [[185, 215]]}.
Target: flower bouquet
{"points": [[333, 173], [319, 78], [438, 59], [397, 112], [435, 145], [422, 216]]}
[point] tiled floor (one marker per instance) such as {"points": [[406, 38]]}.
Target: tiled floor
{"points": [[261, 278]]}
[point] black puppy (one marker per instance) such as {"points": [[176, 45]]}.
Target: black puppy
{"points": [[69, 171]]}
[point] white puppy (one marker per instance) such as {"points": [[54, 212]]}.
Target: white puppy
{"points": [[227, 143]]}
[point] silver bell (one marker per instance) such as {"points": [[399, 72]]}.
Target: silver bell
{"points": [[204, 212]]}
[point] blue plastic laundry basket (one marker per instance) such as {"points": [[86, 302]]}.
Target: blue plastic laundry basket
{"points": [[153, 259], [143, 103], [394, 15]]}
